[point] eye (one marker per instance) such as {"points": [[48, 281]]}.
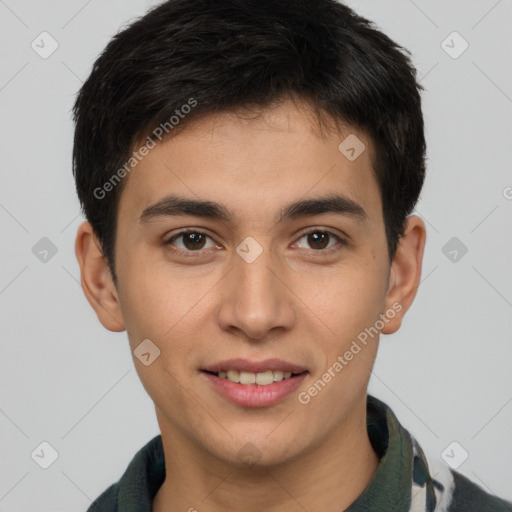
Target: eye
{"points": [[191, 241], [321, 240]]}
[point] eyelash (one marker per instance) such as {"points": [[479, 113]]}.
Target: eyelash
{"points": [[318, 252]]}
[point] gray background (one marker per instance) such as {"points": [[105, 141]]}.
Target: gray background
{"points": [[67, 381]]}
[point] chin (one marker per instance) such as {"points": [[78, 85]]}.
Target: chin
{"points": [[253, 452]]}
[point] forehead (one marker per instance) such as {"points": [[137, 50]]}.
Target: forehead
{"points": [[255, 162]]}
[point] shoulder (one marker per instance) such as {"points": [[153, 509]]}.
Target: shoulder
{"points": [[450, 491], [469, 497], [138, 484]]}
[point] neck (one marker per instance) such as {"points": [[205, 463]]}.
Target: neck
{"points": [[329, 477]]}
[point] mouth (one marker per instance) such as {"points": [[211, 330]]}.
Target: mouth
{"points": [[255, 384], [260, 378]]}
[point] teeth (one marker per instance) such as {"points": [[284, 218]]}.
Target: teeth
{"points": [[265, 378], [261, 378], [278, 375], [233, 376], [247, 378]]}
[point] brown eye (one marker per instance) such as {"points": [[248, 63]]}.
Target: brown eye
{"points": [[318, 240], [191, 241]]}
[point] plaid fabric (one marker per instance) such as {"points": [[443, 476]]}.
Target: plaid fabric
{"points": [[405, 480]]}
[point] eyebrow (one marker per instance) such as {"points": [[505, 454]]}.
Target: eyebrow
{"points": [[176, 206]]}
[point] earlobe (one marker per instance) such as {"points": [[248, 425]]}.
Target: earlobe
{"points": [[405, 273], [96, 279]]}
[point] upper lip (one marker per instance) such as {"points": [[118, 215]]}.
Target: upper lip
{"points": [[244, 365]]}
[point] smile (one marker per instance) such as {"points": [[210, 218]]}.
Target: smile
{"points": [[261, 378]]}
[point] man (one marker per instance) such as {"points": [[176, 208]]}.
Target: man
{"points": [[248, 170]]}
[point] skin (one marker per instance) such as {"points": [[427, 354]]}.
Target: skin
{"points": [[294, 302]]}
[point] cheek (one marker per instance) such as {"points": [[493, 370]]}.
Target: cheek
{"points": [[346, 300], [349, 307], [156, 299], [167, 312]]}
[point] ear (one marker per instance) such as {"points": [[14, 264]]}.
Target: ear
{"points": [[405, 273], [96, 279]]}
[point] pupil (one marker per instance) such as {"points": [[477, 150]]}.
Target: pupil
{"points": [[194, 241], [318, 240]]}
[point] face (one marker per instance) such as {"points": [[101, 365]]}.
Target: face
{"points": [[254, 245]]}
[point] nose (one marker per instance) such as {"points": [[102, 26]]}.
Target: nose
{"points": [[256, 299]]}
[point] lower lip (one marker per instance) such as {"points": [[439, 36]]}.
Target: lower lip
{"points": [[254, 395]]}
